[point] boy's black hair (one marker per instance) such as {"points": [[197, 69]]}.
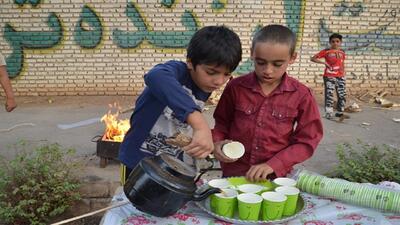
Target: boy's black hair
{"points": [[335, 35], [215, 45], [275, 33]]}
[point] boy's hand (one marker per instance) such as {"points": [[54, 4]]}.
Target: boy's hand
{"points": [[329, 67], [259, 172], [202, 144], [219, 155], [10, 104]]}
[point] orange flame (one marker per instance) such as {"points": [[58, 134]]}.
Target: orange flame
{"points": [[115, 128]]}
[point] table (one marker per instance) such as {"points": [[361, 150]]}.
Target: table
{"points": [[320, 211]]}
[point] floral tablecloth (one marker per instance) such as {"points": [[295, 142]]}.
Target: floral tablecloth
{"points": [[320, 211]]}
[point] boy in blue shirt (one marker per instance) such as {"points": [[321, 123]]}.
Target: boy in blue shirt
{"points": [[174, 96]]}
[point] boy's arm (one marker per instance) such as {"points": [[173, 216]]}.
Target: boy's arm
{"points": [[304, 140], [201, 145], [317, 60], [6, 84], [162, 82]]}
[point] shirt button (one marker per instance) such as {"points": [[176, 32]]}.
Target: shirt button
{"points": [[259, 124], [256, 147]]}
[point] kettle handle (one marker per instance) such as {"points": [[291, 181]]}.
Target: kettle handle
{"points": [[203, 195]]}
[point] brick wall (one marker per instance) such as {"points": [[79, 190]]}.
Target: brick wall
{"points": [[75, 47]]}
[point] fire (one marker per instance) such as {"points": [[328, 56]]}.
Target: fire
{"points": [[115, 128]]}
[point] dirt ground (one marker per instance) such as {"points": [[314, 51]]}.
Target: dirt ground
{"points": [[38, 120]]}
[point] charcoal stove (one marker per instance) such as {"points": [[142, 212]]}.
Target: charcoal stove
{"points": [[106, 149]]}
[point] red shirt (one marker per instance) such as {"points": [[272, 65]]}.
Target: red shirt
{"points": [[281, 129], [335, 58]]}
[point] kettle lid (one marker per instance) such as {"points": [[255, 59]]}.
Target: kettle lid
{"points": [[177, 167], [170, 172]]}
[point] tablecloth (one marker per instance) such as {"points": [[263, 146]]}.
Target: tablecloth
{"points": [[320, 211]]}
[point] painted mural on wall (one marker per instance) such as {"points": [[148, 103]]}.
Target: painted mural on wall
{"points": [[364, 40], [88, 32]]}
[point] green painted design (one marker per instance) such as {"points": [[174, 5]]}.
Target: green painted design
{"points": [[245, 67], [293, 14], [126, 39], [88, 31], [20, 40], [218, 4], [34, 3], [167, 3], [164, 39], [257, 28], [20, 2], [347, 9], [248, 65]]}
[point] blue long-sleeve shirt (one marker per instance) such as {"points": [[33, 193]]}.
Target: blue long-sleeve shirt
{"points": [[161, 111]]}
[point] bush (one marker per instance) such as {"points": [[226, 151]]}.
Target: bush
{"points": [[368, 163], [34, 187]]}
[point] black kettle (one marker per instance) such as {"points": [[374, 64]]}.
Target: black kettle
{"points": [[161, 185]]}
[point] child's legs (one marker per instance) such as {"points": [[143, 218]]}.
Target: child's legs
{"points": [[329, 90], [341, 93]]}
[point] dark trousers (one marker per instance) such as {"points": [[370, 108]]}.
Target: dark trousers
{"points": [[332, 85]]}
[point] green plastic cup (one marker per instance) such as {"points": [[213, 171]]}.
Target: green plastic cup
{"points": [[225, 203], [249, 206], [217, 183], [273, 205], [292, 195]]}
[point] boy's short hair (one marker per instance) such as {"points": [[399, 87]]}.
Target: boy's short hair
{"points": [[275, 33], [215, 45], [335, 35]]}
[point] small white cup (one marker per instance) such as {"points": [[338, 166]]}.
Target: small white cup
{"points": [[233, 150], [250, 188], [219, 183], [284, 181]]}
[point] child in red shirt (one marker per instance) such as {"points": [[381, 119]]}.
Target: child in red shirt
{"points": [[6, 84], [333, 75], [272, 114]]}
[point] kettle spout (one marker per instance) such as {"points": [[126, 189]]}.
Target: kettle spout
{"points": [[203, 195]]}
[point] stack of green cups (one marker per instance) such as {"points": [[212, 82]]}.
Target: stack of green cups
{"points": [[350, 192]]}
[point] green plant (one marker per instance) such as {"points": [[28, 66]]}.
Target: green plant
{"points": [[36, 186], [367, 163]]}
